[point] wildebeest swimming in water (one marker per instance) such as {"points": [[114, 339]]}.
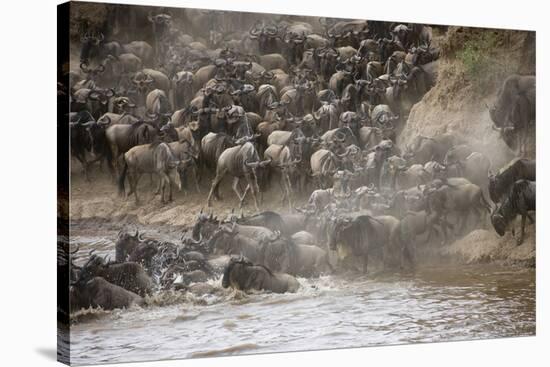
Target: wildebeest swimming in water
{"points": [[97, 292], [242, 274], [128, 275]]}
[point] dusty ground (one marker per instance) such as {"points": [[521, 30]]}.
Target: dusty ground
{"points": [[99, 199]]}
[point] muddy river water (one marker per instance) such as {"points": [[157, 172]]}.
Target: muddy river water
{"points": [[434, 303]]}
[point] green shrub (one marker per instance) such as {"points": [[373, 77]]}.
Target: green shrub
{"points": [[482, 66]]}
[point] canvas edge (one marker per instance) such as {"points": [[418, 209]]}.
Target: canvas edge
{"points": [[63, 186]]}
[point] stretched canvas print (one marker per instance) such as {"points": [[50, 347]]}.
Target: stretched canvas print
{"points": [[240, 183]]}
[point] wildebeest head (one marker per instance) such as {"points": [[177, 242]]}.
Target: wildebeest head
{"points": [[221, 238], [123, 104], [161, 22], [325, 60], [338, 230], [401, 31], [92, 73], [265, 35], [143, 82], [499, 223], [204, 226], [101, 96], [238, 272], [126, 243], [238, 69], [90, 45], [501, 110], [92, 267]]}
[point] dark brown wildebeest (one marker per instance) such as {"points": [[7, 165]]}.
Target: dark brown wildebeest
{"points": [[517, 169], [125, 244], [128, 275], [282, 254], [424, 149], [516, 107], [98, 292], [520, 200], [244, 275], [404, 177], [122, 138], [268, 219], [462, 198], [355, 237], [228, 241]]}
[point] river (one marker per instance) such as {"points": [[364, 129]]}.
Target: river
{"points": [[431, 304]]}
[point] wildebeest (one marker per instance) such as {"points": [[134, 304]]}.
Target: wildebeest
{"points": [[81, 141], [128, 275], [150, 158], [228, 241], [125, 244], [123, 137], [282, 254], [244, 275], [241, 161], [268, 219], [520, 200], [355, 237], [404, 177], [445, 197], [517, 169], [98, 292], [515, 106]]}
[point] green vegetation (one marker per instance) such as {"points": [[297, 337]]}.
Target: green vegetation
{"points": [[483, 66]]}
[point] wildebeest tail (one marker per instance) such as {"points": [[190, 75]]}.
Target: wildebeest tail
{"points": [[121, 179]]}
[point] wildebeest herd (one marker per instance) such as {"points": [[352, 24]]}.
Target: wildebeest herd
{"points": [[316, 108]]}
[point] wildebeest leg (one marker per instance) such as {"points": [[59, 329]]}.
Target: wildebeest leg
{"points": [[236, 189], [522, 234], [214, 187], [115, 159], [196, 178], [530, 217], [254, 189], [135, 179], [464, 222], [283, 188], [152, 182], [157, 191], [365, 262], [288, 191], [82, 159], [164, 181], [170, 184]]}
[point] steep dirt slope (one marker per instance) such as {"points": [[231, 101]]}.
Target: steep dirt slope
{"points": [[472, 66]]}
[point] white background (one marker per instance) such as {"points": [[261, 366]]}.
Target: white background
{"points": [[28, 182]]}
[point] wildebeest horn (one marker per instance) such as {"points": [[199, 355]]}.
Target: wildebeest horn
{"points": [[76, 250], [140, 237], [499, 129]]}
